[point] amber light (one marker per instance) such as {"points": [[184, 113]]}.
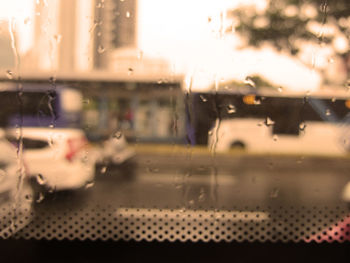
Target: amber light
{"points": [[249, 99], [347, 104]]}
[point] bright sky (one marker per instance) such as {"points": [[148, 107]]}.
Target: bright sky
{"points": [[21, 12], [179, 30]]}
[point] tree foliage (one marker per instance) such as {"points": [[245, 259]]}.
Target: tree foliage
{"points": [[285, 22]]}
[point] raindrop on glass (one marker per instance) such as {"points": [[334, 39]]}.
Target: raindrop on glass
{"points": [[118, 135], [101, 49], [57, 38], [334, 99], [257, 102], [28, 197], [40, 198], [302, 126], [348, 85], [27, 21], [140, 55], [40, 179], [130, 71], [201, 197], [280, 89], [103, 169], [249, 81], [204, 99], [9, 74], [328, 112], [231, 109], [153, 170], [210, 132], [191, 202], [275, 137], [89, 185], [274, 193], [127, 14], [268, 122]]}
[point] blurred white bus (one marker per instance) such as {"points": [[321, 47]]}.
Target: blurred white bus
{"points": [[268, 121]]}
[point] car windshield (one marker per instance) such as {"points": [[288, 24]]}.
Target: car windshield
{"points": [[160, 121]]}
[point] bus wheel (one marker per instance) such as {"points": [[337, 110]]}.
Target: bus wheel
{"points": [[238, 145]]}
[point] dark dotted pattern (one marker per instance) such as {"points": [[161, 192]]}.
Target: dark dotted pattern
{"points": [[282, 224]]}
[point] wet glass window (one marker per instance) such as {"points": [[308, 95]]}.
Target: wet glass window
{"points": [[157, 121]]}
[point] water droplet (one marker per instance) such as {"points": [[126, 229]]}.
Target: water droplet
{"points": [[9, 74], [118, 135], [331, 60], [140, 55], [191, 202], [101, 49], [210, 132], [40, 198], [51, 126], [99, 33], [328, 112], [160, 81], [274, 193], [201, 197], [257, 102], [231, 109], [334, 99], [27, 21], [280, 89], [57, 38], [89, 185], [275, 137], [127, 14], [178, 186], [130, 71], [40, 179], [348, 85], [204, 99], [153, 170], [103, 169], [29, 197], [268, 122], [249, 81], [300, 160], [99, 5], [302, 126]]}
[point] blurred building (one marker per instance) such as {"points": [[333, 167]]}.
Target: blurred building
{"points": [[7, 59]]}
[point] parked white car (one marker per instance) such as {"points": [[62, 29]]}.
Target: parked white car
{"points": [[56, 157], [16, 194]]}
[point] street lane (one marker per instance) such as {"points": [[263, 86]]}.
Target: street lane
{"points": [[218, 198]]}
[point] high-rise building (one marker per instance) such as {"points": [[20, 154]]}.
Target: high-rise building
{"points": [[7, 59]]}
